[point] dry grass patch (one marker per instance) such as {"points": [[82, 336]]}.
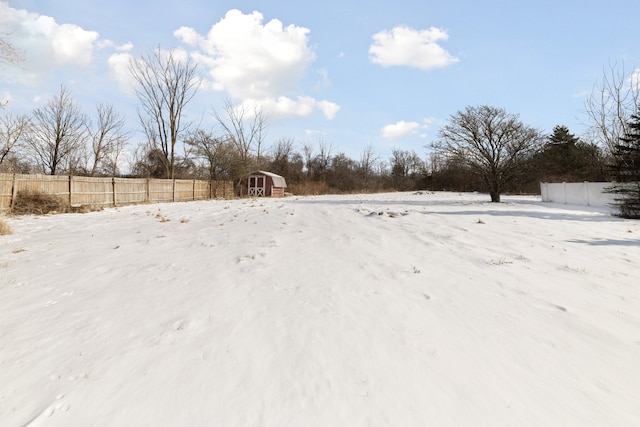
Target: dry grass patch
{"points": [[85, 208], [33, 203], [310, 188], [162, 218], [4, 228]]}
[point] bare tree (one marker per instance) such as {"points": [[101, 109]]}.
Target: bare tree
{"points": [[610, 105], [214, 151], [368, 159], [281, 156], [406, 169], [343, 173], [166, 83], [307, 150], [107, 141], [492, 143], [322, 161], [246, 129], [149, 162], [283, 148], [12, 130], [57, 136]]}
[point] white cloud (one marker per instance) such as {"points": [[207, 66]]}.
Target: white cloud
{"points": [[403, 129], [428, 121], [72, 44], [404, 46], [119, 65], [324, 81], [282, 106], [106, 43], [329, 109], [257, 62], [125, 47], [634, 80], [45, 43], [400, 129], [188, 35], [249, 59]]}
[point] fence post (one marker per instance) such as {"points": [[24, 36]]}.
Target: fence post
{"points": [[113, 188], [14, 190], [174, 190], [586, 192], [70, 190]]}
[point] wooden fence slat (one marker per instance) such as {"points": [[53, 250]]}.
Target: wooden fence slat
{"points": [[6, 190], [91, 191], [130, 191]]}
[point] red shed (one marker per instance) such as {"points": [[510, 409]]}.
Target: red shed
{"points": [[265, 184]]}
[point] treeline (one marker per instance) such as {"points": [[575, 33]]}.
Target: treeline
{"points": [[321, 168], [310, 168]]}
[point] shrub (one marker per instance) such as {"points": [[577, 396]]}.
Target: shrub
{"points": [[34, 203], [4, 228]]}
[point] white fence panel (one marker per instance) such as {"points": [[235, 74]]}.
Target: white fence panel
{"points": [[577, 193]]}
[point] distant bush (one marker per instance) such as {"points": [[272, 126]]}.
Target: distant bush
{"points": [[34, 203], [4, 228]]}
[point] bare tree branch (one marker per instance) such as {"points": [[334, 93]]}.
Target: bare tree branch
{"points": [[166, 84], [610, 106], [8, 52], [107, 140], [368, 159], [12, 131], [57, 136], [245, 129]]}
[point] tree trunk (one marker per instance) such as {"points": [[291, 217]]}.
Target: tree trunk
{"points": [[495, 196]]}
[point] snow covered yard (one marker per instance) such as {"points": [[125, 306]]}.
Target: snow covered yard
{"points": [[400, 309]]}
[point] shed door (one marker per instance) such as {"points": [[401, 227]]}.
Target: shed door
{"points": [[257, 186]]}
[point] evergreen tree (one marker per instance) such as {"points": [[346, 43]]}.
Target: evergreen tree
{"points": [[625, 170], [561, 135], [564, 157]]}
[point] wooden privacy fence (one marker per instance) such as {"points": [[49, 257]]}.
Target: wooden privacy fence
{"points": [[92, 191]]}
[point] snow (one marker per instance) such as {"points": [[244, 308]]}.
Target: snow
{"points": [[398, 309]]}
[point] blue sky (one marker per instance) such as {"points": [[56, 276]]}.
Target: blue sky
{"points": [[345, 73]]}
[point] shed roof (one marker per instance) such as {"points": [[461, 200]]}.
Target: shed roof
{"points": [[278, 181]]}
